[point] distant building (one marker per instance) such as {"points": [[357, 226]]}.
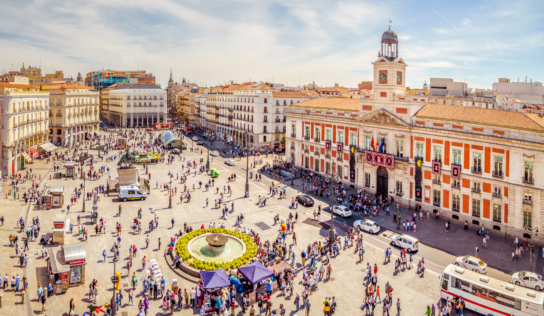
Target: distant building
{"points": [[448, 87], [365, 85], [523, 91], [104, 78]]}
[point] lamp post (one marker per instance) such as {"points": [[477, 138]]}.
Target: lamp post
{"points": [[114, 280], [398, 214], [531, 246], [332, 233], [247, 170], [170, 192], [84, 197], [209, 146]]}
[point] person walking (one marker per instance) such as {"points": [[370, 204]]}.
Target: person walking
{"points": [[72, 306], [307, 306]]}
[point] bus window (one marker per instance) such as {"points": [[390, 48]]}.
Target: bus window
{"points": [[496, 297], [445, 281]]}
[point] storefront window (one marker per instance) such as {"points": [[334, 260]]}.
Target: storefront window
{"points": [[75, 274]]}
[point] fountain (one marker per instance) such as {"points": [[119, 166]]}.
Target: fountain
{"points": [[216, 247]]}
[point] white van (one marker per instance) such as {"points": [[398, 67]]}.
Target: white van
{"points": [[131, 193]]}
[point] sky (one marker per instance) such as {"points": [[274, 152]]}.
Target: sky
{"points": [[211, 42]]}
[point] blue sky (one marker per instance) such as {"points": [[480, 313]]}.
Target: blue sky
{"points": [[210, 42]]}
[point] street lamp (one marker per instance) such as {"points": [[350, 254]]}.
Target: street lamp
{"points": [[209, 146], [531, 246], [170, 192], [332, 233], [398, 213], [247, 170], [84, 197], [114, 280]]}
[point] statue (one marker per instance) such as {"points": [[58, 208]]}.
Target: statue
{"points": [[125, 161]]}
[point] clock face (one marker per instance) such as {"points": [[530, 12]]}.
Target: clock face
{"points": [[399, 78], [383, 77]]}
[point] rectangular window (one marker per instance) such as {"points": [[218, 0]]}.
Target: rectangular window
{"points": [[436, 197], [400, 148], [477, 290], [528, 219], [476, 187], [497, 213], [307, 162], [339, 171], [399, 187], [477, 162], [264, 138], [316, 165], [457, 157], [341, 137], [456, 202], [368, 139], [353, 139], [367, 180], [328, 135], [327, 167], [438, 153], [317, 134], [419, 151], [498, 167], [476, 208], [528, 176], [307, 134], [294, 130]]}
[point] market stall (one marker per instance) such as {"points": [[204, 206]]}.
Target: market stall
{"points": [[66, 266], [214, 283], [61, 225], [253, 274], [70, 169]]}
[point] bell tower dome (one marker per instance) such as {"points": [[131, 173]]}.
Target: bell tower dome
{"points": [[390, 45]]}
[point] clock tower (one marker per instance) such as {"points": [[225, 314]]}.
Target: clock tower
{"points": [[389, 72]]}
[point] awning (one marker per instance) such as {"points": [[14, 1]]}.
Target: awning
{"points": [[255, 272], [216, 279], [27, 157], [34, 152], [48, 147], [74, 253]]}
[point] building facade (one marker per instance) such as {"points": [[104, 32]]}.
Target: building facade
{"points": [[25, 124], [73, 114], [136, 105], [471, 164]]}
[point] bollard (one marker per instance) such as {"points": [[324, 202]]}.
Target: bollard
{"points": [[1, 297], [23, 297]]}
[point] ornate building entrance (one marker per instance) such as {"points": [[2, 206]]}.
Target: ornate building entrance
{"points": [[382, 180]]}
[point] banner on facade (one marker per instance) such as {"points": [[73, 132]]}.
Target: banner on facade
{"points": [[352, 163], [418, 178], [339, 147], [328, 145], [380, 159], [456, 171], [437, 167]]}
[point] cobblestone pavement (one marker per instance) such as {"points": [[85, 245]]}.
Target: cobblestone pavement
{"points": [[346, 284]]}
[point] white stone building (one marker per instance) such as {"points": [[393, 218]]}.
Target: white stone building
{"points": [[25, 124], [133, 105]]}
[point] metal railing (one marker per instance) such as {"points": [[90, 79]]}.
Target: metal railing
{"points": [[307, 137], [456, 185], [476, 190], [476, 169], [527, 202], [497, 194], [528, 180], [436, 181], [497, 174]]}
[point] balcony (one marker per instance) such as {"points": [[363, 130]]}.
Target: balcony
{"points": [[476, 170], [456, 185], [293, 147], [306, 151], [475, 190], [403, 159], [476, 214], [497, 194], [436, 181], [497, 174], [455, 209], [436, 203], [293, 135], [307, 137], [316, 153], [317, 140], [360, 150], [496, 219], [528, 180], [527, 202], [328, 156], [339, 158]]}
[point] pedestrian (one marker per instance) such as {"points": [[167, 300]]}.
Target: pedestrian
{"points": [[476, 252], [72, 306], [307, 305]]}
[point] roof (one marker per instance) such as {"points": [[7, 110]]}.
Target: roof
{"points": [[288, 94], [330, 103], [66, 87], [474, 115], [248, 86], [390, 36], [74, 252], [18, 86], [309, 92], [137, 86]]}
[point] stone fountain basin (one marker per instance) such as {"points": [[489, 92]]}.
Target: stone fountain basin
{"points": [[199, 248]]}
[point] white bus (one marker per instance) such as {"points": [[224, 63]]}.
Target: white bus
{"points": [[490, 296]]}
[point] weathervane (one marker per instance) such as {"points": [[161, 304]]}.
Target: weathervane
{"points": [[390, 23]]}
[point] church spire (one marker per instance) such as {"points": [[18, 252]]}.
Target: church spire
{"points": [[171, 78]]}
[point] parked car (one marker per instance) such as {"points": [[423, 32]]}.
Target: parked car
{"points": [[367, 226], [195, 138], [231, 162], [305, 200], [471, 263], [341, 210], [409, 243], [527, 279], [200, 142], [176, 151], [214, 153]]}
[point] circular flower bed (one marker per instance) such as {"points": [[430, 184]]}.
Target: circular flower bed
{"points": [[181, 248]]}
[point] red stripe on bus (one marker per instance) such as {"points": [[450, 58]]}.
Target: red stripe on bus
{"points": [[472, 302]]}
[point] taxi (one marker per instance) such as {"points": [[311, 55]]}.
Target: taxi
{"points": [[471, 263], [341, 210], [527, 279], [367, 225], [214, 153], [409, 243], [231, 162]]}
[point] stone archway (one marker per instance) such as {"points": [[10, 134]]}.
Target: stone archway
{"points": [[382, 182]]}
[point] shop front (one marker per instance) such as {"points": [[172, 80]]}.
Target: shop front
{"points": [[57, 196], [66, 266], [61, 226], [70, 169]]}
